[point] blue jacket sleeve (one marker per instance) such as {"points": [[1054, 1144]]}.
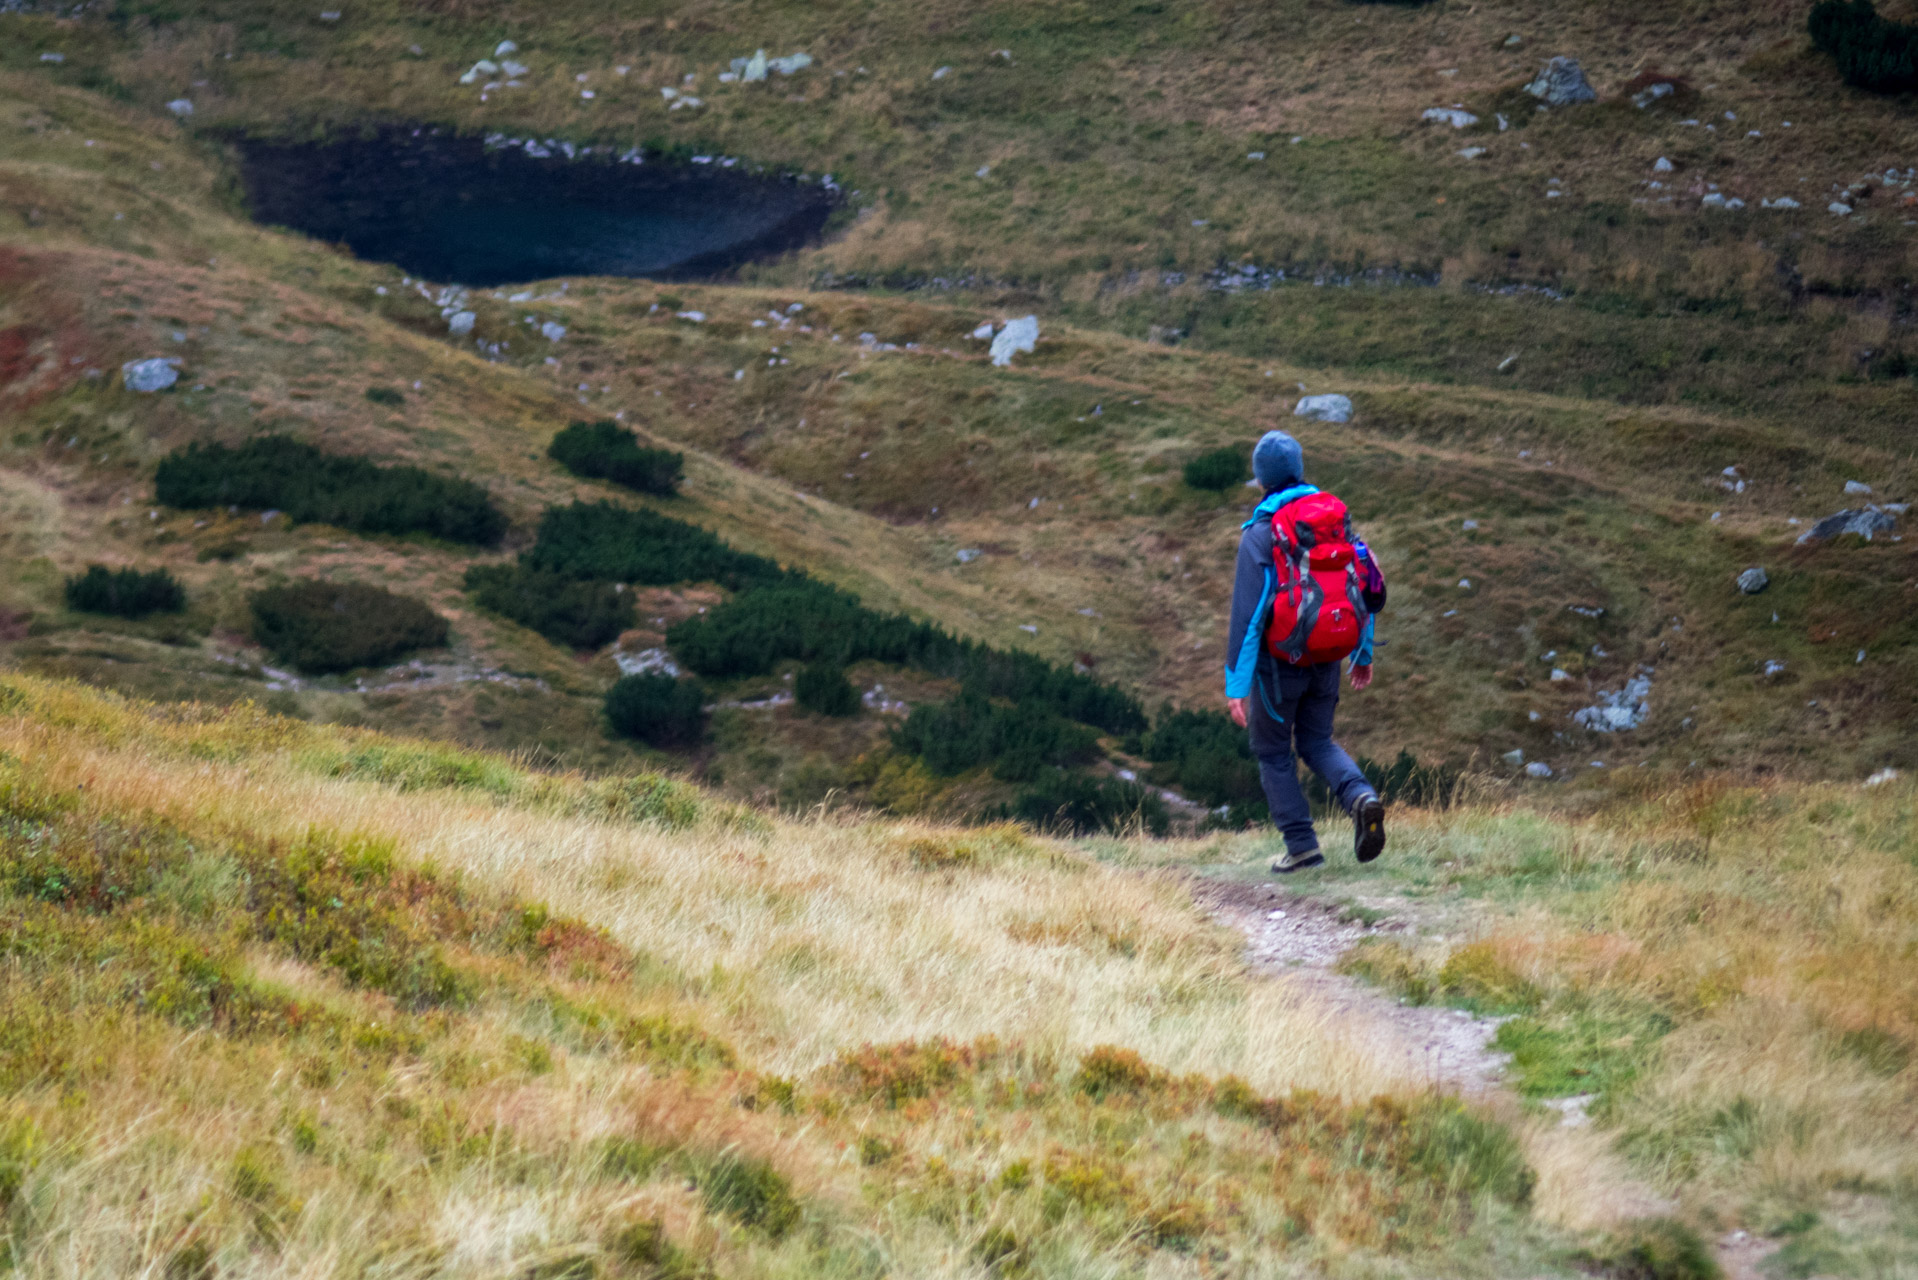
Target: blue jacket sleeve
{"points": [[1253, 583], [1363, 658]]}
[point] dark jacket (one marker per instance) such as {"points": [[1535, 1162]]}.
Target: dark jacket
{"points": [[1253, 586]]}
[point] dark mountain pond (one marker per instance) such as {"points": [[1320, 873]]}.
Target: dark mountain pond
{"points": [[498, 210]]}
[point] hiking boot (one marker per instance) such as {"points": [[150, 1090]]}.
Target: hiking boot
{"points": [[1290, 861], [1368, 823]]}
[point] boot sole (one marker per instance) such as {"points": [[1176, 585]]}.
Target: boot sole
{"points": [[1370, 820]]}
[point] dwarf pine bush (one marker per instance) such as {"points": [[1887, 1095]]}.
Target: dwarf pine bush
{"points": [[128, 593], [1871, 52], [605, 450], [328, 626], [580, 614], [971, 730], [281, 474], [823, 687], [657, 709]]}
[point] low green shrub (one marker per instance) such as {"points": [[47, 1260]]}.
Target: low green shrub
{"points": [[1219, 470], [1082, 804], [328, 626], [605, 450], [1209, 759], [578, 613], [1871, 51], [823, 687], [387, 396], [796, 617], [620, 544], [127, 593], [657, 709], [310, 486], [971, 730]]}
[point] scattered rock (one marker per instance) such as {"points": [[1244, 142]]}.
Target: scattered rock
{"points": [[1774, 667], [1324, 408], [552, 331], [1471, 153], [1469, 526], [1866, 523], [1515, 758], [1538, 769], [151, 375], [1782, 202], [942, 73], [1572, 1111], [503, 48], [984, 331], [181, 107], [1560, 675], [461, 323], [1652, 93], [1839, 207], [1856, 486], [1018, 335], [1880, 778], [1454, 116], [484, 67], [1562, 83], [645, 662], [53, 57], [1620, 711], [1663, 165], [968, 555], [1753, 581]]}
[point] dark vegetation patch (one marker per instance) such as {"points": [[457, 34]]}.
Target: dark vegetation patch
{"points": [[1871, 52], [125, 593], [604, 450], [277, 473], [326, 626], [972, 731], [1218, 470], [578, 613], [657, 709], [1080, 804], [822, 687]]}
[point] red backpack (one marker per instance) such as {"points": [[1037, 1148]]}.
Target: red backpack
{"points": [[1319, 606]]}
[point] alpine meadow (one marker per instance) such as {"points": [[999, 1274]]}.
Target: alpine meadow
{"points": [[700, 641]]}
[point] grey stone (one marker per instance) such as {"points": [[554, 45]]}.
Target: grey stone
{"points": [[1018, 335], [150, 375], [1753, 581], [1562, 83], [181, 107], [1618, 712], [1538, 769], [552, 331], [1515, 757], [1857, 487], [1454, 116], [1867, 524], [461, 323], [1325, 408]]}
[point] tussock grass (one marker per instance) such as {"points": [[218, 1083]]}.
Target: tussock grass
{"points": [[296, 1000]]}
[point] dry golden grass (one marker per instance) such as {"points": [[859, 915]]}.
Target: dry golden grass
{"points": [[475, 1135]]}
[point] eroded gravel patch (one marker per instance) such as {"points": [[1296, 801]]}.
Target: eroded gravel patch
{"points": [[1298, 940]]}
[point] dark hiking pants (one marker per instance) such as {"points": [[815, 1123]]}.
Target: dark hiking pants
{"points": [[1294, 705]]}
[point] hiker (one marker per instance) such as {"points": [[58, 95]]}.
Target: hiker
{"points": [[1303, 601]]}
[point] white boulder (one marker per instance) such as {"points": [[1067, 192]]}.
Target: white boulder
{"points": [[1324, 408], [156, 374], [1018, 335]]}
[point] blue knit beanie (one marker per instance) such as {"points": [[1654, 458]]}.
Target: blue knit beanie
{"points": [[1277, 461]]}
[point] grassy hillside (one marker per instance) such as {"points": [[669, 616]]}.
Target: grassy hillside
{"points": [[288, 999], [872, 462], [1104, 158]]}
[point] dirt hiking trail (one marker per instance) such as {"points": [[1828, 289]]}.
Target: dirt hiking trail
{"points": [[1296, 939]]}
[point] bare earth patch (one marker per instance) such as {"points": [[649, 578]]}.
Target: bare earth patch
{"points": [[1298, 939]]}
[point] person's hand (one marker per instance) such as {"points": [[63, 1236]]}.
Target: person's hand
{"points": [[1238, 707], [1361, 677]]}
